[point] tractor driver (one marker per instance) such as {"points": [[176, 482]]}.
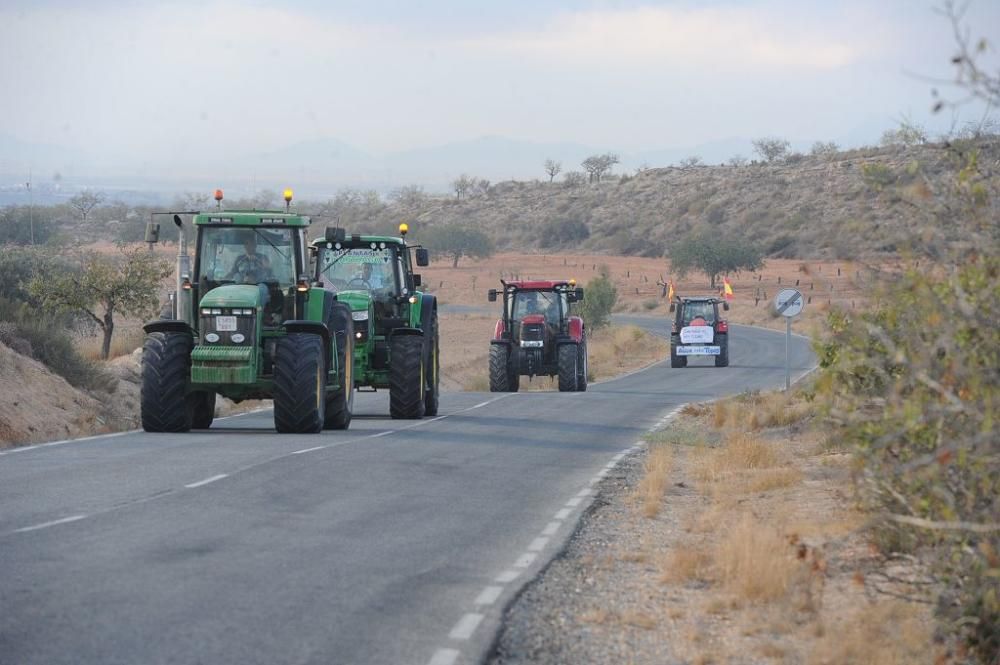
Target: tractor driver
{"points": [[536, 303], [250, 267]]}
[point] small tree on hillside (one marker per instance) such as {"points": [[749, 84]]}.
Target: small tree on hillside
{"points": [[908, 134], [714, 256], [105, 286], [462, 184], [771, 149], [553, 168], [737, 160], [86, 201], [458, 240], [597, 166], [692, 161], [600, 298], [824, 149]]}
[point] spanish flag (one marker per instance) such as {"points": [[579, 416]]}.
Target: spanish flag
{"points": [[727, 288], [670, 293]]}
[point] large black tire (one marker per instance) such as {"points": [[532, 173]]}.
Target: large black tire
{"points": [[165, 405], [204, 410], [432, 394], [676, 360], [582, 366], [406, 376], [299, 384], [340, 404], [503, 378], [567, 364], [722, 360]]}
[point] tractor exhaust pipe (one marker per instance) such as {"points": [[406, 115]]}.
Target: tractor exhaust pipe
{"points": [[183, 304]]}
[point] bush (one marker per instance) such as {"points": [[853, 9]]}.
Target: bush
{"points": [[599, 299], [914, 387], [563, 232]]}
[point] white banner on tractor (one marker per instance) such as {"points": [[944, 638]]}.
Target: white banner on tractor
{"points": [[697, 335]]}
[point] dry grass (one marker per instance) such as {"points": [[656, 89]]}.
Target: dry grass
{"points": [[684, 563], [638, 619], [124, 341], [888, 633], [616, 350], [741, 451], [754, 562], [649, 491]]}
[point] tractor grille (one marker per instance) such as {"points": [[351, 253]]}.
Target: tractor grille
{"points": [[220, 324], [532, 332]]}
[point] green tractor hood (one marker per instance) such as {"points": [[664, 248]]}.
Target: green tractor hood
{"points": [[357, 300], [232, 295]]}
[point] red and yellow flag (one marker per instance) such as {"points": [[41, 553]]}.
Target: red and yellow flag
{"points": [[670, 292], [727, 288]]}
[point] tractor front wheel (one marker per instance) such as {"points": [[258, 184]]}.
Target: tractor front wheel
{"points": [[503, 379], [340, 405], [166, 365], [568, 363], [406, 376], [299, 384]]}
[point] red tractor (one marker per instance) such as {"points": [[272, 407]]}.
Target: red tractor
{"points": [[538, 335]]}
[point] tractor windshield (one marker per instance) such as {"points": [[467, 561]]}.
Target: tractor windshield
{"points": [[371, 268], [247, 255], [547, 303], [704, 310]]}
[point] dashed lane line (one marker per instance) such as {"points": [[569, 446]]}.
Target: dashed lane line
{"points": [[45, 525], [207, 481]]}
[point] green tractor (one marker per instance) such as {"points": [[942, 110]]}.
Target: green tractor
{"points": [[246, 323], [395, 325]]}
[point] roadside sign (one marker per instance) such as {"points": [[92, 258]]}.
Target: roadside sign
{"points": [[788, 302]]}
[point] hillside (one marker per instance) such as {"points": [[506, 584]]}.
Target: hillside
{"points": [[848, 205]]}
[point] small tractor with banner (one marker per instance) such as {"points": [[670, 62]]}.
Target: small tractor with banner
{"points": [[396, 342], [245, 323], [538, 334], [698, 330]]}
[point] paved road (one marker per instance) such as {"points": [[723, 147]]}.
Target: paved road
{"points": [[394, 542]]}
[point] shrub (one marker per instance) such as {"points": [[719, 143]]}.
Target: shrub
{"points": [[601, 296]]}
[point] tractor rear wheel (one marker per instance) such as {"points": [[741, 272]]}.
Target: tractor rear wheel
{"points": [[722, 360], [432, 396], [340, 405], [500, 370], [582, 366], [676, 360], [166, 365], [406, 376], [204, 410], [299, 384], [568, 362]]}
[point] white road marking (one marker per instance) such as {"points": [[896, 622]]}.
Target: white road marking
{"points": [[307, 450], [24, 449], [481, 404], [538, 544], [443, 657], [525, 560], [563, 513], [507, 576], [551, 528], [574, 502], [466, 626], [200, 483], [45, 525], [586, 491], [488, 596]]}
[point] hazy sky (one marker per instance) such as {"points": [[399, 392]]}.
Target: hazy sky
{"points": [[170, 79]]}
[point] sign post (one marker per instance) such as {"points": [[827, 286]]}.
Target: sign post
{"points": [[788, 303]]}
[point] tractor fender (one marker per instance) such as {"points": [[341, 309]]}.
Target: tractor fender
{"points": [[168, 325], [575, 329], [428, 307], [498, 332], [313, 328]]}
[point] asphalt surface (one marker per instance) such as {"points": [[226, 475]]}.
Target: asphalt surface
{"points": [[393, 542]]}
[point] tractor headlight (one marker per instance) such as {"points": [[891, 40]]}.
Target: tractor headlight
{"points": [[211, 337], [237, 338]]}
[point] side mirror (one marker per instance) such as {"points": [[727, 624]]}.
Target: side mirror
{"points": [[416, 279], [423, 257], [335, 234], [177, 221], [725, 306], [152, 232], [579, 294], [672, 307], [492, 295]]}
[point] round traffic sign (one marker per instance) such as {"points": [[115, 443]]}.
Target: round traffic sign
{"points": [[788, 302]]}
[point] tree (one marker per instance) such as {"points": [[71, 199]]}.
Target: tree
{"points": [[553, 168], [574, 179], [410, 196], [691, 162], [771, 149], [908, 134], [104, 286], [458, 240], [737, 160], [86, 201], [824, 149], [600, 298], [16, 223], [598, 165], [714, 256], [462, 185]]}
